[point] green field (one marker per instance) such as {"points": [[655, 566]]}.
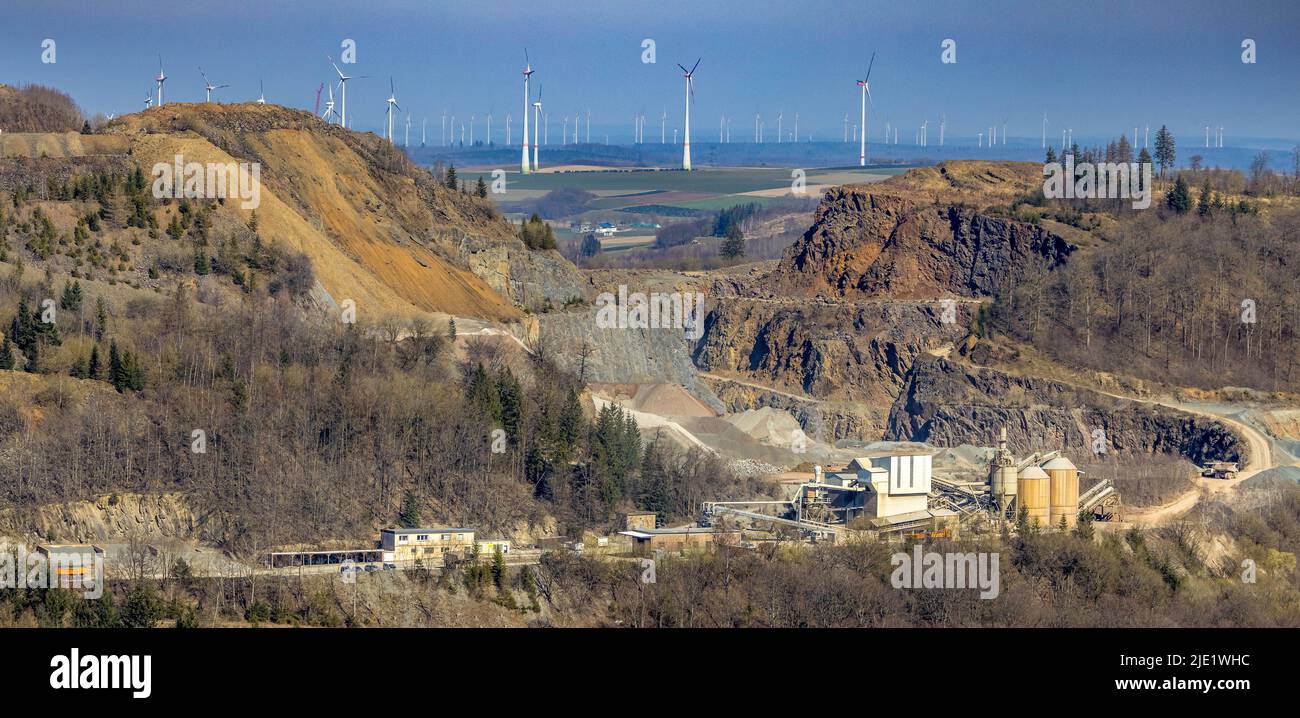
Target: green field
{"points": [[706, 189]]}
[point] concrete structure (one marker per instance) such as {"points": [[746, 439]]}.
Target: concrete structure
{"points": [[72, 565], [1063, 481], [675, 539], [896, 484], [488, 547], [640, 521], [430, 545], [1032, 494], [1002, 473]]}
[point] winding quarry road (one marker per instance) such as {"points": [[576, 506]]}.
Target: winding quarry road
{"points": [[1259, 458]]}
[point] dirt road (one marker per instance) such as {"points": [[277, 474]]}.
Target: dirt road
{"points": [[1259, 456]]}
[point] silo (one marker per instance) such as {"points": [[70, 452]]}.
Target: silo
{"points": [[1002, 472], [1033, 492], [1064, 480]]}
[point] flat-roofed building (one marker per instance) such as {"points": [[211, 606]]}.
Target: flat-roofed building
{"points": [[72, 565], [640, 521], [674, 539], [488, 547], [432, 545]]}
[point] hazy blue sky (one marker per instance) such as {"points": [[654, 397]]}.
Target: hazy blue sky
{"points": [[1099, 66]]}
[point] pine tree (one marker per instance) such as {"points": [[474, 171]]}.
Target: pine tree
{"points": [[1179, 198], [481, 189], [451, 328], [6, 355], [734, 245], [451, 177], [410, 513], [498, 568], [1203, 205], [1051, 156], [510, 395], [1165, 151], [101, 319], [93, 368]]}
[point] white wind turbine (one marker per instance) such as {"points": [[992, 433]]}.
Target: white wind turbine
{"points": [[866, 92], [780, 115], [407, 143], [160, 79], [689, 75], [261, 92], [1044, 130], [663, 127], [148, 99], [525, 167], [208, 86], [392, 102], [329, 107], [343, 90]]}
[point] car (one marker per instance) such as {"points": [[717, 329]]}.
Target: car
{"points": [[390, 567], [371, 567]]}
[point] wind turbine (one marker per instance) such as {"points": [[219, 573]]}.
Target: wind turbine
{"points": [[780, 115], [537, 115], [525, 167], [148, 100], [329, 107], [1044, 130], [261, 92], [160, 79], [392, 102], [943, 121], [208, 86], [343, 91], [866, 91], [690, 93], [663, 127], [424, 125], [408, 130]]}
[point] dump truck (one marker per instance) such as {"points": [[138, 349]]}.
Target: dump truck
{"points": [[1220, 470]]}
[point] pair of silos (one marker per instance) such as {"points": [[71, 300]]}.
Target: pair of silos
{"points": [[1050, 492]]}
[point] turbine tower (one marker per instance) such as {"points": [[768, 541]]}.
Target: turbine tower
{"points": [[343, 91], [1044, 130], [866, 91], [261, 92], [392, 102], [525, 167], [208, 86], [160, 79], [537, 124], [690, 93]]}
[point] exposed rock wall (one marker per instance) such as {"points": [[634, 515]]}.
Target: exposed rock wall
{"points": [[946, 403]]}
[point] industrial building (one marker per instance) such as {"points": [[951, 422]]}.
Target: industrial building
{"points": [[432, 546], [676, 539], [72, 565]]}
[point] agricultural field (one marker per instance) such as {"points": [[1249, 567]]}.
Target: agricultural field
{"points": [[704, 189]]}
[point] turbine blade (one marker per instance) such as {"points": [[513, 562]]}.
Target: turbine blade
{"points": [[697, 64], [869, 66]]}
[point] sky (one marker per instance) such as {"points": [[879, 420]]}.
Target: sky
{"points": [[1099, 67]]}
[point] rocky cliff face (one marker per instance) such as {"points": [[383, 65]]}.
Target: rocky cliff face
{"points": [[946, 403], [865, 245], [842, 352]]}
